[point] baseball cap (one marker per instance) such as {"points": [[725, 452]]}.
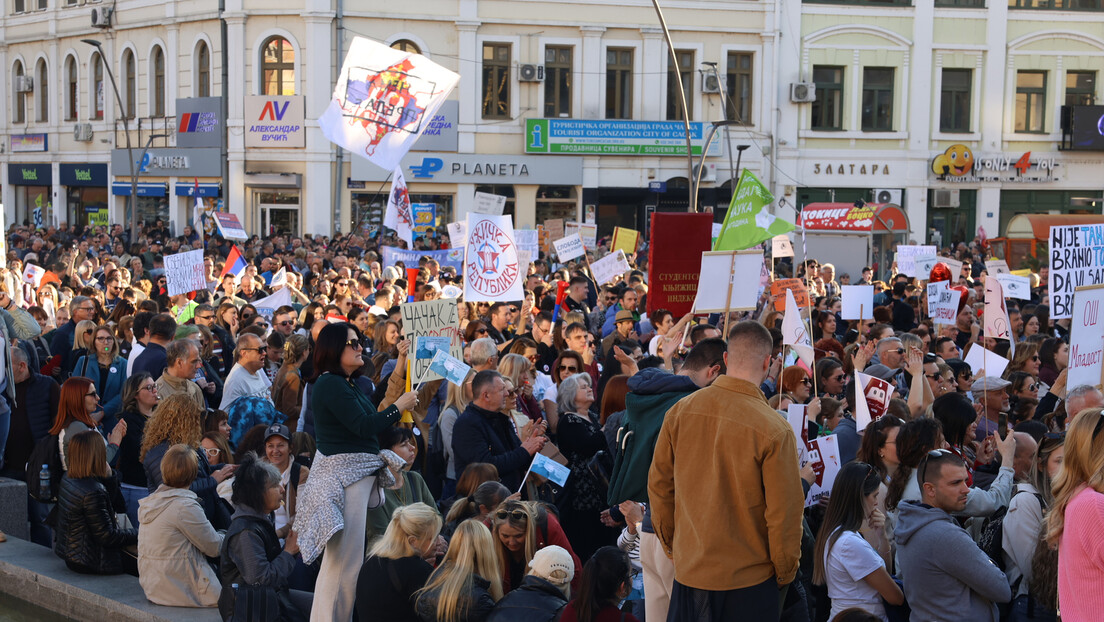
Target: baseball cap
{"points": [[277, 429], [880, 371], [553, 564], [989, 383]]}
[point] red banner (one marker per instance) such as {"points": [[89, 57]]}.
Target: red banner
{"points": [[677, 242]]}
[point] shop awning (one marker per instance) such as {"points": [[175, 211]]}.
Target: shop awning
{"points": [[205, 190], [145, 189], [847, 217], [1037, 226]]}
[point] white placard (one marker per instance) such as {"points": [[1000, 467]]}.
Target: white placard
{"points": [[33, 274], [1086, 349], [997, 266], [924, 265], [458, 234], [780, 245], [824, 455], [795, 414], [610, 267], [569, 248], [718, 268], [717, 227], [1015, 286], [943, 303], [184, 272], [587, 231], [979, 358], [858, 302], [492, 268], [528, 240], [906, 258], [955, 266], [489, 204]]}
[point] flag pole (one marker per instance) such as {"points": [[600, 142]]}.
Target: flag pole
{"points": [[728, 298], [808, 296]]}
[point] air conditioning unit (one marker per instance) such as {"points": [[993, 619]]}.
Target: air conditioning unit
{"points": [[712, 83], [24, 84], [531, 73], [888, 195], [708, 173], [82, 132], [101, 16], [802, 92], [945, 198]]}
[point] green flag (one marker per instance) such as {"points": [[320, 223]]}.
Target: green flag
{"points": [[749, 221]]}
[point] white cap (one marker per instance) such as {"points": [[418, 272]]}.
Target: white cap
{"points": [[553, 564]]}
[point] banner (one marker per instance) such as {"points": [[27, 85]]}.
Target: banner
{"points": [[422, 322], [267, 306], [872, 397], [446, 257], [383, 100], [943, 303], [1086, 349], [675, 247], [718, 269], [610, 267], [797, 286], [399, 215], [748, 221], [492, 268], [1076, 260], [185, 273], [569, 248], [794, 332], [625, 240]]}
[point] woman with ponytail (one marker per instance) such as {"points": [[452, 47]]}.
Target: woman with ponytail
{"points": [[478, 505], [606, 581]]}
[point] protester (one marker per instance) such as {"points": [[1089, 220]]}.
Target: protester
{"points": [[605, 582], [106, 369], [521, 529], [182, 361], [543, 592], [79, 410], [467, 583], [389, 580], [410, 486], [139, 399]]}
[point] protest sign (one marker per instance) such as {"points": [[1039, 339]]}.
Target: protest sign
{"points": [[492, 204], [872, 397], [279, 279], [431, 318], [267, 306], [795, 415], [942, 303], [978, 358], [543, 240], [555, 228], [675, 247], [549, 469], [781, 246], [625, 240], [230, 226], [527, 240], [1086, 349], [185, 273], [492, 268], [800, 293], [609, 267], [449, 367], [717, 226], [587, 232], [383, 100], [995, 318], [954, 265], [748, 221], [569, 248], [924, 265], [446, 257], [906, 259], [794, 332], [33, 274], [858, 302], [1018, 287], [997, 266], [458, 234], [824, 455], [1076, 260], [718, 270]]}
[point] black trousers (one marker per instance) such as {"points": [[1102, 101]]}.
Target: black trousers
{"points": [[758, 603]]}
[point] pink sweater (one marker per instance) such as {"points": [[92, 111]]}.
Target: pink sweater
{"points": [[1081, 558]]}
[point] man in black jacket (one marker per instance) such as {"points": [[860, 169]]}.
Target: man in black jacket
{"points": [[483, 434]]}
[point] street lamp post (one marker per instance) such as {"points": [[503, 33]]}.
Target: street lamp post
{"points": [[695, 181], [126, 131]]}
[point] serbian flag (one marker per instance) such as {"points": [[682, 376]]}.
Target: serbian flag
{"points": [[561, 296], [235, 264], [411, 283]]}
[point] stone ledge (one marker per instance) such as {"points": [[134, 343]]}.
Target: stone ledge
{"points": [[34, 574]]}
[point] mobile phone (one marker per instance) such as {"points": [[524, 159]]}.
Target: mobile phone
{"points": [[1002, 425]]}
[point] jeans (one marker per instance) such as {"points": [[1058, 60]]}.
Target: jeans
{"points": [[132, 495], [1021, 609]]}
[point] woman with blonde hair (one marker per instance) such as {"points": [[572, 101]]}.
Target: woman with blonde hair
{"points": [[1026, 359], [1076, 518], [83, 342], [396, 567], [467, 583], [521, 373], [521, 529]]}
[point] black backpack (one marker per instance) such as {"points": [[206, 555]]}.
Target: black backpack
{"points": [[46, 451], [991, 539]]}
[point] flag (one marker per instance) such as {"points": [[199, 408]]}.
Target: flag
{"points": [[749, 221], [383, 100], [235, 264], [399, 215], [267, 306], [794, 333], [197, 211], [561, 297], [550, 469], [872, 397], [279, 279], [492, 268]]}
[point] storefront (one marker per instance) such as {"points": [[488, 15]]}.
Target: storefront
{"points": [[85, 193], [32, 184], [159, 168], [153, 202], [854, 235], [209, 194]]}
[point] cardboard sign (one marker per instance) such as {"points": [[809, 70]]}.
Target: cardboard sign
{"points": [[997, 266], [978, 358], [718, 268], [625, 240], [230, 226], [800, 292], [858, 302], [431, 318], [569, 248], [489, 204], [943, 303], [1076, 259], [185, 273], [1086, 349], [675, 247], [608, 268], [1015, 286], [555, 228], [781, 246], [906, 258]]}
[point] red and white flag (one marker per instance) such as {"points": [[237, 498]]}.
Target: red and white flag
{"points": [[400, 213], [872, 397], [492, 268]]}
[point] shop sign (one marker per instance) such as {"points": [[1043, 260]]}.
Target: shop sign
{"points": [[83, 175], [457, 168], [199, 162], [30, 175], [442, 132], [958, 164], [274, 121], [199, 122], [616, 137], [29, 143], [849, 168]]}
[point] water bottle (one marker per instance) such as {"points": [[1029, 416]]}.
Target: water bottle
{"points": [[44, 481]]}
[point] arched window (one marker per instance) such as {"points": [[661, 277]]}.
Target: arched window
{"points": [[19, 110], [277, 67], [130, 83], [203, 70], [97, 99], [157, 68], [42, 89], [72, 84], [406, 45]]}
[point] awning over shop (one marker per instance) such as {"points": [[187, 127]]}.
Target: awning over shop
{"points": [[1037, 226], [847, 217], [205, 190], [145, 189]]}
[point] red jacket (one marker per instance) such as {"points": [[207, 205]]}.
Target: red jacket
{"points": [[608, 614]]}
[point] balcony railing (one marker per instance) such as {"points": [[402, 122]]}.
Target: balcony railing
{"points": [[868, 3], [960, 4], [1058, 5]]}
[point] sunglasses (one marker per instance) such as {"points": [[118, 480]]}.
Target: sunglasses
{"points": [[568, 368], [261, 349], [286, 323], [89, 331], [481, 331], [807, 382], [1030, 387], [518, 515], [839, 377], [205, 317], [935, 376], [92, 394], [354, 344], [922, 469], [899, 350]]}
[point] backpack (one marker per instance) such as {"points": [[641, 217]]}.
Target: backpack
{"points": [[991, 539], [46, 451], [636, 441]]}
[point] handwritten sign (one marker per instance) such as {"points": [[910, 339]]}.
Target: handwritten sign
{"points": [[906, 258], [489, 204], [1076, 260], [587, 231], [610, 267], [1086, 349], [942, 303], [779, 287], [184, 272], [555, 228], [569, 248], [431, 318], [625, 240]]}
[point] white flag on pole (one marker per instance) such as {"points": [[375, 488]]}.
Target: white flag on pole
{"points": [[794, 333], [400, 214]]}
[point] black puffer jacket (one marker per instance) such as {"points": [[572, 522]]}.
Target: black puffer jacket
{"points": [[86, 535], [535, 600], [479, 602]]}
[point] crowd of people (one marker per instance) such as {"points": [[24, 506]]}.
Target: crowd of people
{"points": [[243, 457]]}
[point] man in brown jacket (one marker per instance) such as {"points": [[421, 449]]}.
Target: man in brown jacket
{"points": [[735, 534]]}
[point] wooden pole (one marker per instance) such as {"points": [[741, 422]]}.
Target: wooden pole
{"points": [[728, 298]]}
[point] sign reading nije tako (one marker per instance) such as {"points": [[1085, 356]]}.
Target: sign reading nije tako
{"points": [[1076, 260]]}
